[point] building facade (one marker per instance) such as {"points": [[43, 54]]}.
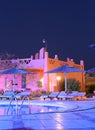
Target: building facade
{"points": [[39, 80]]}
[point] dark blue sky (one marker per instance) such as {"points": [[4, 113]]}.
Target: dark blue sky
{"points": [[67, 25]]}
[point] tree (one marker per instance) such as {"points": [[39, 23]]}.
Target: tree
{"points": [[6, 60], [7, 56]]}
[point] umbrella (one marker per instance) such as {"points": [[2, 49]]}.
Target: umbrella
{"points": [[14, 71], [65, 69], [92, 70], [92, 45]]}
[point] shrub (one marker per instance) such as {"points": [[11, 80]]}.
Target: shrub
{"points": [[72, 84], [90, 88]]}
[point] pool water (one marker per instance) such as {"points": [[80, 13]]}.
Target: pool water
{"points": [[28, 109]]}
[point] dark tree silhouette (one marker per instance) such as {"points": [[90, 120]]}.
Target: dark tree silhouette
{"points": [[7, 56]]}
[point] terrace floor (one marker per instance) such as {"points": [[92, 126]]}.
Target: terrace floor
{"points": [[78, 115]]}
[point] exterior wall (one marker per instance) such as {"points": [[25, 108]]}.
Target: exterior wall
{"points": [[7, 80], [54, 63], [40, 64]]}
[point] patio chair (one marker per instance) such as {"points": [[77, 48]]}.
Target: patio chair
{"points": [[23, 95], [61, 95], [64, 95], [81, 95], [7, 95], [44, 97], [51, 96]]}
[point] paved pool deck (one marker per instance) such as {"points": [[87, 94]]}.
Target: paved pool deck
{"points": [[77, 115]]}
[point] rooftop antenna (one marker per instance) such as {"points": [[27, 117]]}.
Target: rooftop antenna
{"points": [[45, 42]]}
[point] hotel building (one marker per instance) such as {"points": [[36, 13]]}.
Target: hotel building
{"points": [[39, 80]]}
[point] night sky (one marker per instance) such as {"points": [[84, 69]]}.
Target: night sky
{"points": [[67, 25]]}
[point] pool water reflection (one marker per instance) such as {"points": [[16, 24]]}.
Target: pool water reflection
{"points": [[28, 109]]}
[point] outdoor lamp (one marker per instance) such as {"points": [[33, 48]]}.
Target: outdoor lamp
{"points": [[41, 80], [58, 80]]}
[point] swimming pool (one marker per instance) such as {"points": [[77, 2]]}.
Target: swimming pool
{"points": [[34, 107], [28, 109], [51, 120]]}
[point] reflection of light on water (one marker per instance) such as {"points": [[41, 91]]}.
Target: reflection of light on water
{"points": [[1, 111], [58, 116], [59, 126], [25, 109], [42, 110]]}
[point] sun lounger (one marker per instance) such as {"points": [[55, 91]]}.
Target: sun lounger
{"points": [[64, 95], [81, 95], [44, 97], [23, 95], [61, 95], [53, 95], [50, 96], [7, 95]]}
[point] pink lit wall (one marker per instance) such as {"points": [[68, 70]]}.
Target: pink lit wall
{"points": [[7, 80], [41, 62]]}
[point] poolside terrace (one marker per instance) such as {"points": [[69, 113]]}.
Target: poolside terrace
{"points": [[77, 115]]}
